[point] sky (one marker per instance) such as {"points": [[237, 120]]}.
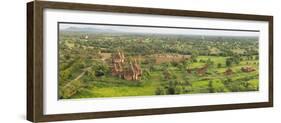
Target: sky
{"points": [[156, 30]]}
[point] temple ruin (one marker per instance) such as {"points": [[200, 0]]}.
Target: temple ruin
{"points": [[247, 69], [130, 70], [228, 72], [201, 71]]}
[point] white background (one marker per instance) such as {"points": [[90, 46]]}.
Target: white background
{"points": [[54, 106], [13, 61]]}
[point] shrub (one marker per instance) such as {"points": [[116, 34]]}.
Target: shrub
{"points": [[70, 89], [211, 88], [160, 91], [178, 90]]}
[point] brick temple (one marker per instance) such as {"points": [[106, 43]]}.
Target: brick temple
{"points": [[127, 70]]}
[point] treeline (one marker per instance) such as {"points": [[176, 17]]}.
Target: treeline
{"points": [[174, 86], [153, 44]]}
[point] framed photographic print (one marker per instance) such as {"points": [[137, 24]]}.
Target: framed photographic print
{"points": [[97, 61]]}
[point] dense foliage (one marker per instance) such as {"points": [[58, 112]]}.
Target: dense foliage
{"points": [[171, 64]]}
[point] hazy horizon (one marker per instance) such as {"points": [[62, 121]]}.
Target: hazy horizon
{"points": [[159, 30]]}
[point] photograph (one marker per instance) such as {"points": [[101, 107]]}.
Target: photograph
{"points": [[90, 61], [112, 60]]}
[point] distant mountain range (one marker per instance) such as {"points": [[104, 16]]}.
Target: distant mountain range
{"points": [[89, 30]]}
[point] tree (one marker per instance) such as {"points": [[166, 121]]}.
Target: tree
{"points": [[101, 69], [227, 81], [228, 62], [236, 59], [232, 60], [211, 88], [167, 74], [219, 65], [146, 74], [178, 89], [171, 87], [257, 57], [160, 91], [187, 63], [218, 86], [89, 76], [70, 89], [209, 62], [65, 75], [194, 55], [187, 83]]}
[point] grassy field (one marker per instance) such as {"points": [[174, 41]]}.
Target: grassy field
{"points": [[116, 87]]}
